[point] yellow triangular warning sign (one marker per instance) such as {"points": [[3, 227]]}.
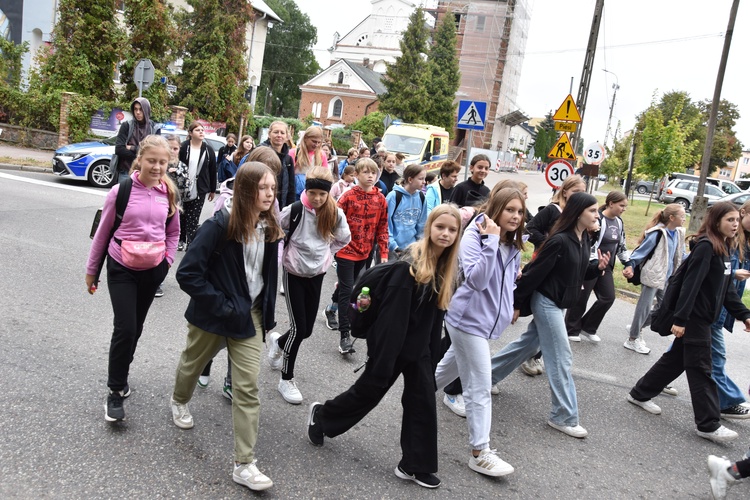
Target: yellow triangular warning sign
{"points": [[567, 111], [562, 149]]}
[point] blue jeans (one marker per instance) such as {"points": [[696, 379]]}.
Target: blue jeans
{"points": [[729, 393], [547, 330]]}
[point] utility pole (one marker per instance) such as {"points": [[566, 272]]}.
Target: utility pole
{"points": [[615, 86], [588, 66], [700, 203]]}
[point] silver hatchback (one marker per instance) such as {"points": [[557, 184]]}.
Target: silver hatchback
{"points": [[683, 192]]}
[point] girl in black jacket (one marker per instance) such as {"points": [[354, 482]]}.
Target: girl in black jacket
{"points": [[405, 340], [230, 273], [550, 283], [707, 285], [278, 136], [201, 181]]}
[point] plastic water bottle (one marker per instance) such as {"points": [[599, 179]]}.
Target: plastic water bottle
{"points": [[364, 300]]}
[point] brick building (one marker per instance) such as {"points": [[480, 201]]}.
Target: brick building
{"points": [[341, 94]]}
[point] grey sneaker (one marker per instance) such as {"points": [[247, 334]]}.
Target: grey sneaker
{"points": [[181, 415], [114, 410], [529, 368], [346, 345], [332, 321]]}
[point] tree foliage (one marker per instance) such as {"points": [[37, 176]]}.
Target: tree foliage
{"points": [[288, 61], [10, 62], [214, 71], [444, 75], [152, 34], [615, 165], [406, 79], [545, 137], [87, 41], [725, 147]]}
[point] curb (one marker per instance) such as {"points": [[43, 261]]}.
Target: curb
{"points": [[25, 168], [628, 293]]}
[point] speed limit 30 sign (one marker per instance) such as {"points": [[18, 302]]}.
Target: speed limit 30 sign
{"points": [[556, 173]]}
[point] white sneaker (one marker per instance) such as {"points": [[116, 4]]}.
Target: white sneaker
{"points": [[289, 391], [539, 366], [495, 389], [529, 367], [249, 475], [574, 431], [591, 337], [489, 464], [274, 351], [637, 345], [203, 381], [456, 404], [181, 415], [720, 435], [574, 338], [647, 405], [721, 479], [669, 390]]}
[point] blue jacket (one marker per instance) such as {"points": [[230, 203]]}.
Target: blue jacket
{"points": [[405, 223], [725, 319], [433, 197], [483, 303]]}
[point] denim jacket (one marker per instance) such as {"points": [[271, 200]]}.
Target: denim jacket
{"points": [[725, 319]]}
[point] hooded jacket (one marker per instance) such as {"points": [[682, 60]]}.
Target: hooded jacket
{"points": [[126, 137], [206, 176], [212, 273], [405, 222], [284, 179]]}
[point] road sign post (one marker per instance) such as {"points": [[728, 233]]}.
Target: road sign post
{"points": [[472, 115]]}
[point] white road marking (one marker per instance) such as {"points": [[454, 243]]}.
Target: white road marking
{"points": [[95, 191]]}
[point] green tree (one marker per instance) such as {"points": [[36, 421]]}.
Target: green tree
{"points": [[444, 75], [370, 125], [545, 137], [406, 79], [615, 166], [214, 70], [288, 61], [10, 62], [152, 34], [86, 45], [726, 147]]}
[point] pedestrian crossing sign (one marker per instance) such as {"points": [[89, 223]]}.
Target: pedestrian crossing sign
{"points": [[472, 115], [562, 149]]}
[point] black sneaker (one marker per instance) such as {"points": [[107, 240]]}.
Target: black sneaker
{"points": [[126, 391], [114, 410], [736, 412], [159, 292], [314, 429], [423, 479], [346, 346], [332, 321]]}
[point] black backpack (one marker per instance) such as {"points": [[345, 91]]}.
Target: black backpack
{"points": [[361, 322], [663, 318], [121, 203], [295, 216]]}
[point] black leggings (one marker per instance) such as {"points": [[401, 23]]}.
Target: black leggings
{"points": [[189, 217], [131, 293], [302, 301], [604, 288], [347, 272]]}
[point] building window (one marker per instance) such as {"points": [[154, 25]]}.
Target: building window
{"points": [[341, 77], [745, 161], [316, 107], [457, 18], [480, 23], [336, 107]]}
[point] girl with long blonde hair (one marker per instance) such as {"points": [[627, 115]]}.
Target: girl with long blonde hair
{"points": [[307, 154], [415, 292], [321, 231]]}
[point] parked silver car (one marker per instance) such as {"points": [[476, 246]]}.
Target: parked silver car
{"points": [[683, 192]]}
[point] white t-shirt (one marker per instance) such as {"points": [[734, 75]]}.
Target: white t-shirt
{"points": [[193, 160]]}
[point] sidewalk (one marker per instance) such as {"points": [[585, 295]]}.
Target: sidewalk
{"points": [[18, 158]]}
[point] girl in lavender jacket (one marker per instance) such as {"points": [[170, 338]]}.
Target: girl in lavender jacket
{"points": [[132, 281], [321, 231], [482, 307]]}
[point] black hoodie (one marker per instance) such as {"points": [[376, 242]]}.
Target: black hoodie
{"points": [[285, 179], [127, 137]]}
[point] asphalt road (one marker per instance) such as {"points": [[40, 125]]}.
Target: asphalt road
{"points": [[55, 443]]}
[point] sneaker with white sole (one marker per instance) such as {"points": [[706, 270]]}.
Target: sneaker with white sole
{"points": [[249, 475], [181, 415], [274, 351], [591, 337], [647, 405], [637, 345], [539, 365], [574, 338], [495, 389], [227, 389], [529, 367], [736, 412], [203, 381], [423, 479], [114, 410], [456, 404], [669, 390], [315, 432], [720, 435], [489, 464], [721, 480], [575, 431], [332, 320], [289, 391]]}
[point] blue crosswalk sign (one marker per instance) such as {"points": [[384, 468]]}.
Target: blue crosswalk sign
{"points": [[472, 115]]}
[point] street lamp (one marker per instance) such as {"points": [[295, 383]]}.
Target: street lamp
{"points": [[615, 86]]}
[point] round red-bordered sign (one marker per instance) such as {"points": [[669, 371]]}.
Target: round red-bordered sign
{"points": [[556, 173]]}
